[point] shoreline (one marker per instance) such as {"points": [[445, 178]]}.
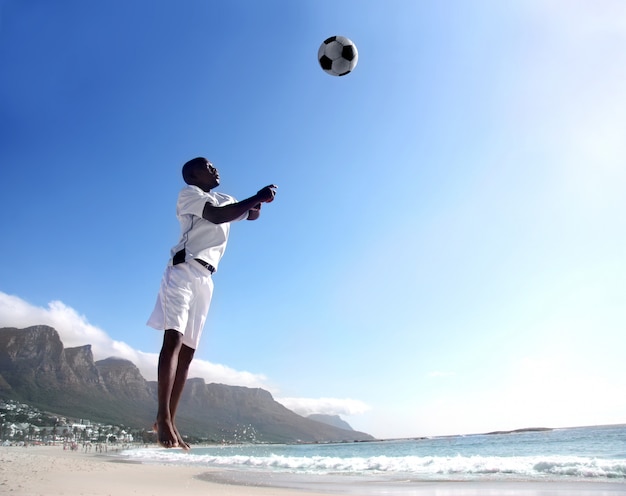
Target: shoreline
{"points": [[356, 486], [52, 471]]}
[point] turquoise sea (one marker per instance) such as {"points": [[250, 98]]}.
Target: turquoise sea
{"points": [[561, 455]]}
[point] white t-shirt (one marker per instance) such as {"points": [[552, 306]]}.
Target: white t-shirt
{"points": [[199, 237]]}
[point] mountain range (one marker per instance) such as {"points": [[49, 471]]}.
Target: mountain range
{"points": [[37, 369]]}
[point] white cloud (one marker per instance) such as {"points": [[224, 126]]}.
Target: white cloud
{"points": [[214, 372], [75, 330], [328, 406]]}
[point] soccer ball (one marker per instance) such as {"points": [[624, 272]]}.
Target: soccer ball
{"points": [[338, 56]]}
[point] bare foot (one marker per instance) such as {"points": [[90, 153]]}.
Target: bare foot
{"points": [[180, 441], [166, 434]]}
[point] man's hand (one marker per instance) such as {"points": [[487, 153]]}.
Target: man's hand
{"points": [[267, 194]]}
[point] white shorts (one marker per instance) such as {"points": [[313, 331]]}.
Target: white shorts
{"points": [[183, 301]]}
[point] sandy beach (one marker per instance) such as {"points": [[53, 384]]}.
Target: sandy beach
{"points": [[52, 471]]}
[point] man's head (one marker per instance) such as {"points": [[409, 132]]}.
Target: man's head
{"points": [[200, 172]]}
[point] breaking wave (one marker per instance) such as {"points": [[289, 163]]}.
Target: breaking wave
{"points": [[526, 467]]}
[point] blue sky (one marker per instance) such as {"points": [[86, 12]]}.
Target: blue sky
{"points": [[446, 252]]}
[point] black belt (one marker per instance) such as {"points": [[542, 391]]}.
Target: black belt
{"points": [[206, 265]]}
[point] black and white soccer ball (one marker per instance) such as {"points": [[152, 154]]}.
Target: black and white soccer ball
{"points": [[338, 56]]}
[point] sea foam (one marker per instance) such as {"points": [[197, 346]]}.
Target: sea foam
{"points": [[417, 466]]}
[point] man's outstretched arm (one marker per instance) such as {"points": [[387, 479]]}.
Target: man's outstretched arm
{"points": [[228, 213]]}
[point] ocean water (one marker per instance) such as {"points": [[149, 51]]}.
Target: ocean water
{"points": [[565, 455]]}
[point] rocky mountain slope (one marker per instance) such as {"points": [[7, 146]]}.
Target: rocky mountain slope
{"points": [[334, 420], [36, 368]]}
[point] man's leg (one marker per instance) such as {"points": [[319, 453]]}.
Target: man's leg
{"points": [[185, 356], [167, 374]]}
